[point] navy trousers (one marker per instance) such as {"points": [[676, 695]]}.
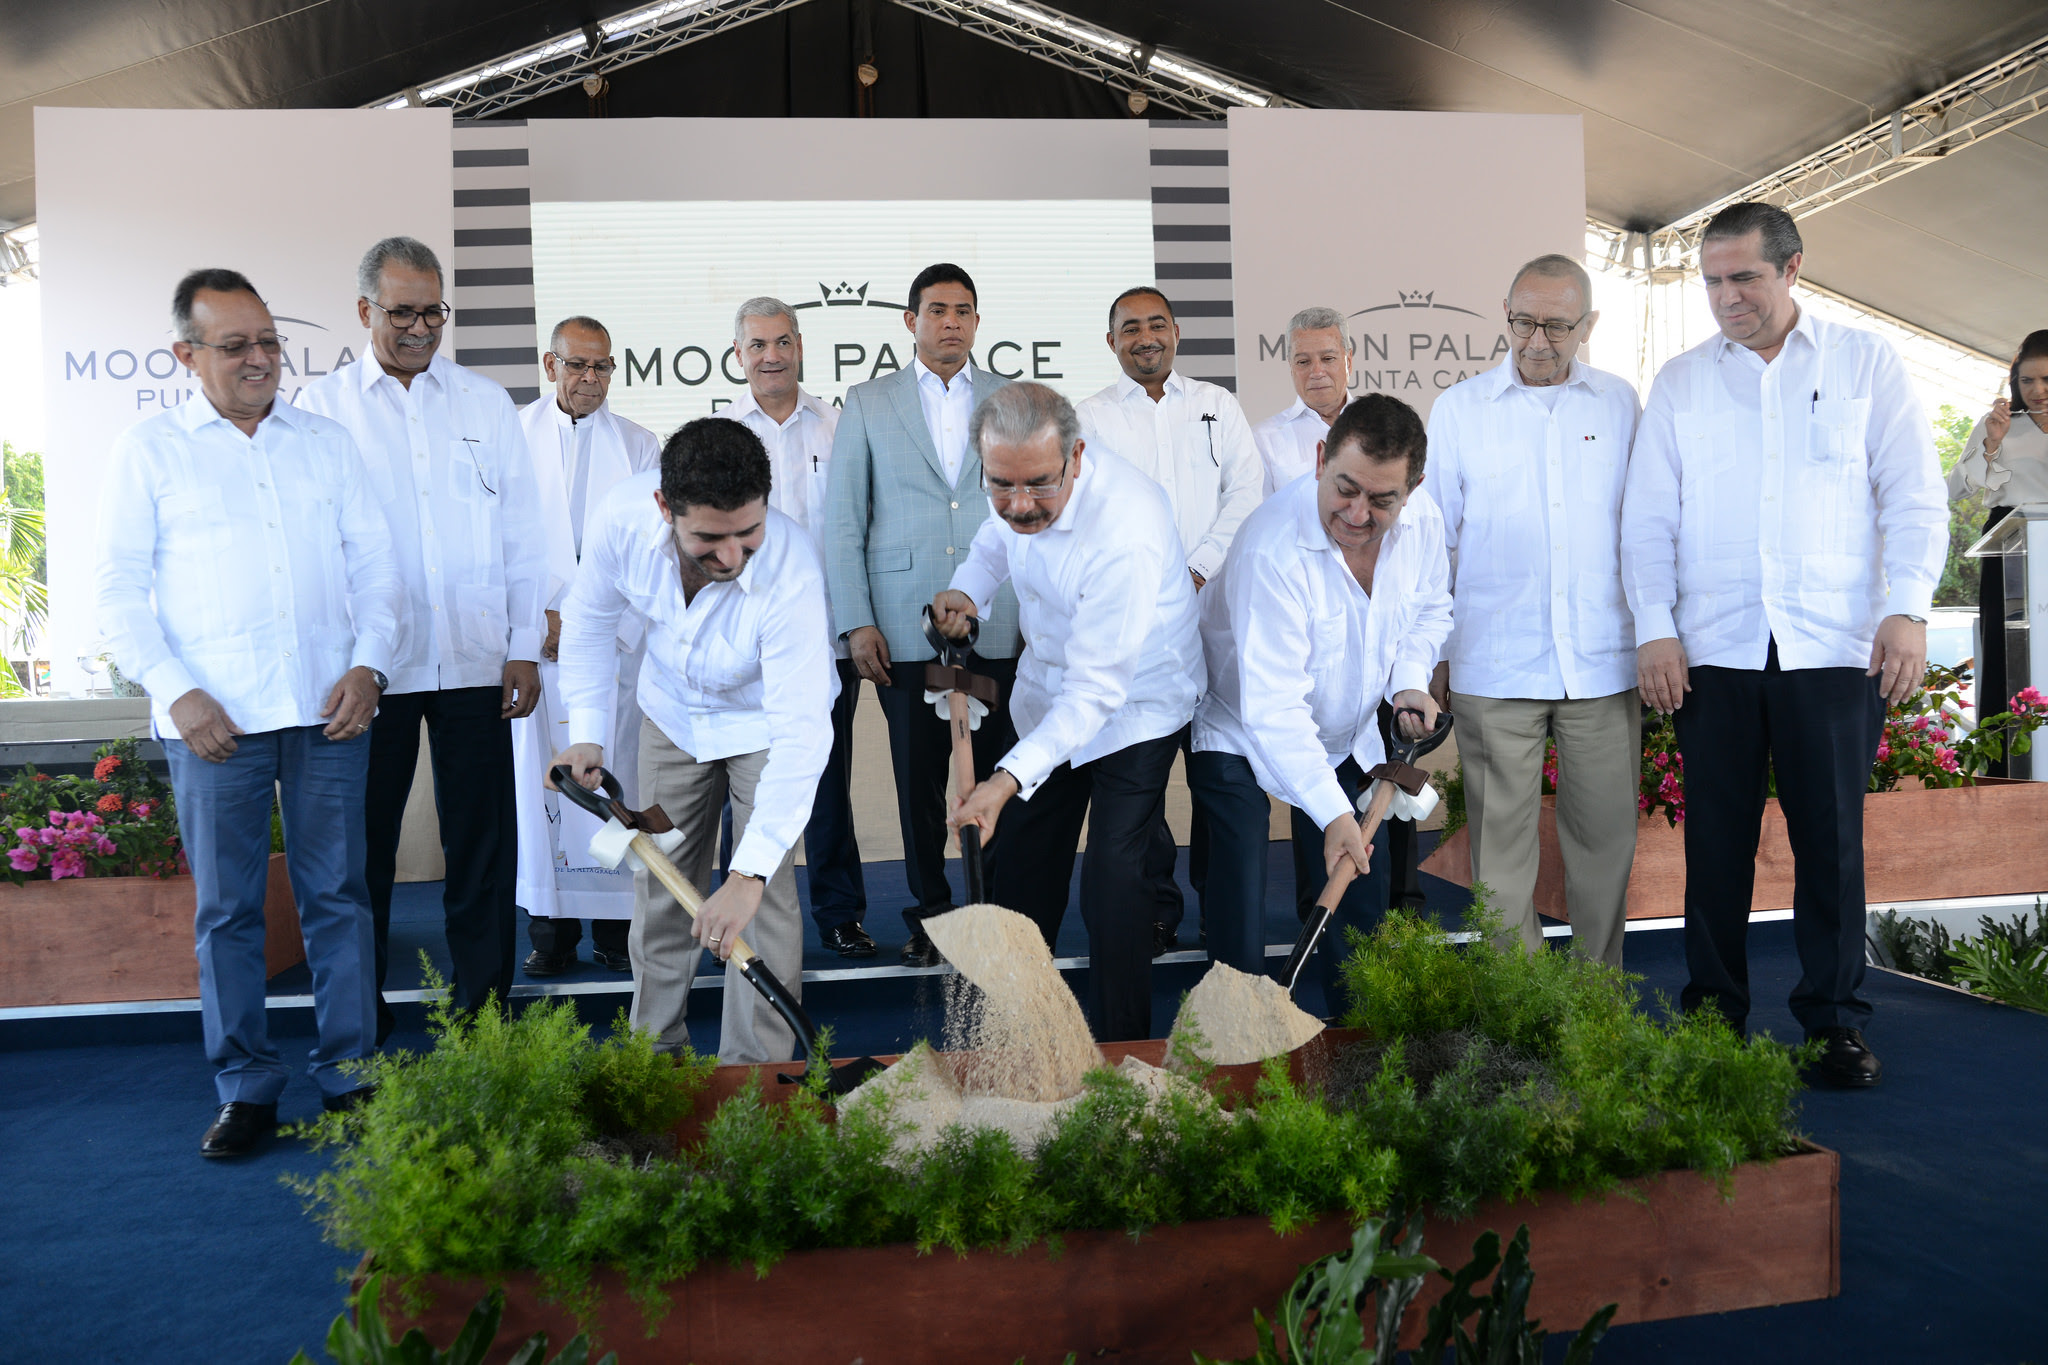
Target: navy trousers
{"points": [[1365, 901], [224, 820], [921, 750], [1816, 730], [471, 745], [831, 852]]}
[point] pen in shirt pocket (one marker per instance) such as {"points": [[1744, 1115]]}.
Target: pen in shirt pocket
{"points": [[1209, 426]]}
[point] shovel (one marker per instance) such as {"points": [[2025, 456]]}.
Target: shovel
{"points": [[1397, 771], [647, 837], [949, 674]]}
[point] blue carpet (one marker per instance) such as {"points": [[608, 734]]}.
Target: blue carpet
{"points": [[123, 1246]]}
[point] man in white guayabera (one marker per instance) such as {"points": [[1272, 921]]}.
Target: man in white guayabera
{"points": [[245, 577], [1527, 460], [1782, 533], [737, 688], [1319, 363]]}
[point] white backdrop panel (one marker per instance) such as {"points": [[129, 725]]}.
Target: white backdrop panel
{"points": [[667, 277], [1414, 238], [131, 199]]}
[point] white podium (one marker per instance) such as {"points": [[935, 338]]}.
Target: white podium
{"points": [[2021, 537]]}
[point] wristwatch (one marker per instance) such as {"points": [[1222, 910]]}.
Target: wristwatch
{"points": [[383, 683], [1916, 620], [750, 876]]}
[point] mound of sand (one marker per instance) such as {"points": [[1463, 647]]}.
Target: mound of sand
{"points": [[1237, 1018], [1029, 1038]]}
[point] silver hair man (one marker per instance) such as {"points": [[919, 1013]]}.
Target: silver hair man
{"points": [[406, 251], [764, 307], [1017, 413], [1319, 320]]}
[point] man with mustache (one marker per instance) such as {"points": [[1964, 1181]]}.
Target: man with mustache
{"points": [[1528, 460], [737, 690], [1190, 437], [580, 448], [797, 430], [449, 464], [1108, 678], [245, 577], [1334, 598]]}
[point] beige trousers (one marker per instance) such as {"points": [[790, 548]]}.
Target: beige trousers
{"points": [[1599, 764], [665, 956]]}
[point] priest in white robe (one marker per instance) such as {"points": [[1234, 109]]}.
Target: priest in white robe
{"points": [[580, 448]]}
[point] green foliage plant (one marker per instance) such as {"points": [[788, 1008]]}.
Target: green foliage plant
{"points": [[2007, 962], [1966, 515], [367, 1340], [1501, 1332]]}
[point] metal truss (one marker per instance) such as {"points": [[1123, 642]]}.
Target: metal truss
{"points": [[622, 40], [1988, 101], [1172, 84], [19, 254]]}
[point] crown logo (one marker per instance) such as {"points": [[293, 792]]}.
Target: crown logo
{"points": [[843, 295], [1417, 299]]}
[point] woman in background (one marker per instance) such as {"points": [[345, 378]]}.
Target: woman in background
{"points": [[2007, 460]]}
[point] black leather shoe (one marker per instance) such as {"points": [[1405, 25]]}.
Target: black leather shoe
{"points": [[849, 940], [348, 1099], [617, 962], [920, 951], [238, 1128], [1846, 1061], [1164, 940], [539, 963]]}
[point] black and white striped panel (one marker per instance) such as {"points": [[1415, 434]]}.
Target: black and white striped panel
{"points": [[495, 330], [1191, 243]]}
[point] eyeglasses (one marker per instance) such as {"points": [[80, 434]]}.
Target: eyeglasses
{"points": [[1038, 492], [435, 315], [235, 350], [1556, 331], [601, 368]]}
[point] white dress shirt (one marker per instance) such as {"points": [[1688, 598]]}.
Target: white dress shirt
{"points": [[1194, 443], [1799, 500], [1111, 653], [743, 667], [1300, 658], [1529, 482], [258, 569], [800, 459], [947, 408], [1287, 443], [2015, 476], [450, 465]]}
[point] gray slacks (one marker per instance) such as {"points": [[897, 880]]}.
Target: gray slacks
{"points": [[665, 956], [1599, 766]]}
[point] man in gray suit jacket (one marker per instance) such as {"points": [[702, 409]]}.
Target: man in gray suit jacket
{"points": [[903, 504]]}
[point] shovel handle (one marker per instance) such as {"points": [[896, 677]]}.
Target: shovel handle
{"points": [[687, 896], [1333, 890]]}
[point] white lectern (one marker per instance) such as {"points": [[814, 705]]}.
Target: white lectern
{"points": [[2021, 537]]}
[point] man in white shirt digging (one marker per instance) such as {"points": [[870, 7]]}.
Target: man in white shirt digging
{"points": [[1334, 598], [1107, 681], [1527, 461], [737, 688]]}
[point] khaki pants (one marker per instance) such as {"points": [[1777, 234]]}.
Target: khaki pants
{"points": [[665, 956], [1599, 764]]}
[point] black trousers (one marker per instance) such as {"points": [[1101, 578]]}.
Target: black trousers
{"points": [[471, 748], [1817, 730], [1404, 850], [1122, 796], [1365, 901], [1992, 692], [1161, 857], [562, 935], [921, 750], [839, 895]]}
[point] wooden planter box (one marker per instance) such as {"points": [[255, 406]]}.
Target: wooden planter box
{"points": [[2001, 822], [92, 940], [1662, 1247]]}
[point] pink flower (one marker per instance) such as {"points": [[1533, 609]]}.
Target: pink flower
{"points": [[24, 859], [104, 846], [141, 809], [1643, 803], [69, 863], [1884, 751]]}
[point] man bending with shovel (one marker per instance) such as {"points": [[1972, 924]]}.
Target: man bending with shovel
{"points": [[737, 689], [1335, 594], [1106, 684]]}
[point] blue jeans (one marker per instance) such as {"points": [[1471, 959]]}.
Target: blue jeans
{"points": [[224, 819]]}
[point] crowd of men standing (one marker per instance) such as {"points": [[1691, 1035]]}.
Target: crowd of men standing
{"points": [[1144, 574]]}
